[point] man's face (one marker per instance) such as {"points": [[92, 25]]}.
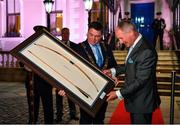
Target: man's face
{"points": [[159, 16], [65, 35], [93, 36], [127, 38]]}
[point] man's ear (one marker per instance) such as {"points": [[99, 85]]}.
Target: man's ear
{"points": [[131, 32]]}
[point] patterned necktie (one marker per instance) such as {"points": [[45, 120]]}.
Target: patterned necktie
{"points": [[130, 49], [99, 60]]}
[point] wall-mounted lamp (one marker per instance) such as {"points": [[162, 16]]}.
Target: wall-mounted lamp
{"points": [[88, 6], [48, 5]]}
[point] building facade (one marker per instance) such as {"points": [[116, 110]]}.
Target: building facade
{"points": [[23, 15]]}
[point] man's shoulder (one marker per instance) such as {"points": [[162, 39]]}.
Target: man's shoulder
{"points": [[72, 42]]}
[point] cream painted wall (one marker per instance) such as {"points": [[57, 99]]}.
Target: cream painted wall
{"points": [[33, 14], [74, 17], [78, 21], [2, 16], [1, 5]]}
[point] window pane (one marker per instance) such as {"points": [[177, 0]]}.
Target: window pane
{"points": [[13, 18], [56, 22], [13, 25]]}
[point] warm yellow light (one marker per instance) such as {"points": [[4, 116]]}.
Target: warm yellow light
{"points": [[59, 15], [57, 29]]}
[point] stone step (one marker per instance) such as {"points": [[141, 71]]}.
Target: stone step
{"points": [[166, 55], [160, 62], [168, 93], [167, 69], [159, 83], [164, 88], [160, 53], [159, 75], [162, 58]]}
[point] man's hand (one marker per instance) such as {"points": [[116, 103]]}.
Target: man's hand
{"points": [[107, 72], [111, 96], [61, 93], [27, 68], [116, 81]]}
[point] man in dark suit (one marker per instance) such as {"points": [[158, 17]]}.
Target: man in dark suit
{"points": [[59, 99], [36, 89], [43, 91], [88, 51], [126, 17], [94, 50], [158, 26], [140, 88]]}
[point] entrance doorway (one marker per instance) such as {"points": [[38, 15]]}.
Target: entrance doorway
{"points": [[142, 15]]}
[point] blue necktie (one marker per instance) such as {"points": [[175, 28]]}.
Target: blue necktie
{"points": [[99, 60]]}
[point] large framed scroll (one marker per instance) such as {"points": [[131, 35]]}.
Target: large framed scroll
{"points": [[63, 68]]}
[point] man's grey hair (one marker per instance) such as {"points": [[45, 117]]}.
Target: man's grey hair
{"points": [[127, 26]]}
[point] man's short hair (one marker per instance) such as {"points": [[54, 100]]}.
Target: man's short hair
{"points": [[126, 13], [96, 25], [158, 13], [127, 26], [65, 28], [39, 27]]}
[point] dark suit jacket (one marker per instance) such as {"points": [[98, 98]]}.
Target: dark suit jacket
{"points": [[106, 52], [140, 89], [73, 45], [85, 51]]}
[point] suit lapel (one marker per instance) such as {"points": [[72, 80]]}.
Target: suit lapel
{"points": [[103, 52], [135, 49], [89, 50]]}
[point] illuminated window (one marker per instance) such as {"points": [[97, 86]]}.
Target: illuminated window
{"points": [[56, 18], [56, 22], [13, 18]]}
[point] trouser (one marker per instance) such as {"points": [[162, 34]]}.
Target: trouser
{"points": [[85, 118], [59, 107], [43, 91], [30, 96], [160, 34], [139, 118]]}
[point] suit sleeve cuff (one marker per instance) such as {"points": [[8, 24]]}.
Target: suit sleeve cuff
{"points": [[113, 72], [119, 95]]}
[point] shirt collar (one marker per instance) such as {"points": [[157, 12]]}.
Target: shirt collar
{"points": [[136, 41], [97, 44]]}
